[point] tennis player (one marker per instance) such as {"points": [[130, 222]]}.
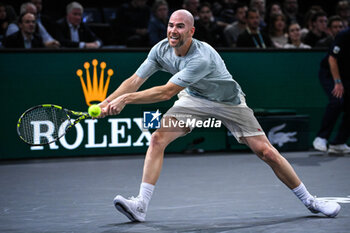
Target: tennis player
{"points": [[205, 89]]}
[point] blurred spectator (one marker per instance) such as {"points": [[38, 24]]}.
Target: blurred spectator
{"points": [[45, 20], [224, 12], [207, 28], [48, 40], [260, 5], [3, 21], [72, 32], [24, 8], [25, 37], [343, 10], [319, 29], [334, 76], [273, 9], [11, 13], [335, 25], [307, 23], [277, 30], [157, 26], [131, 24], [233, 30], [291, 10], [192, 6], [294, 38], [252, 36]]}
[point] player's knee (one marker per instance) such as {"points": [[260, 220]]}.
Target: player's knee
{"points": [[157, 140], [269, 154]]}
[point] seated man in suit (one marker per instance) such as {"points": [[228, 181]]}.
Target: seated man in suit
{"points": [[73, 33], [25, 37], [252, 37], [48, 40]]}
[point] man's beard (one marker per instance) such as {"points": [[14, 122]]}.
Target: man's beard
{"points": [[179, 44]]}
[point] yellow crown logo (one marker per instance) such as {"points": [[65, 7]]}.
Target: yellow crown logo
{"points": [[94, 91]]}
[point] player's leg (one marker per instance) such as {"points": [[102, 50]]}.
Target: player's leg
{"points": [[240, 120], [135, 208], [261, 146], [161, 138]]}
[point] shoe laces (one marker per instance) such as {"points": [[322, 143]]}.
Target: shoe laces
{"points": [[137, 199], [132, 198], [319, 204]]}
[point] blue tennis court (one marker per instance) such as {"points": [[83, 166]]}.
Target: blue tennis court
{"points": [[225, 192]]}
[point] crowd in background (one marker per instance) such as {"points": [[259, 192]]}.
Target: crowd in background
{"points": [[142, 23]]}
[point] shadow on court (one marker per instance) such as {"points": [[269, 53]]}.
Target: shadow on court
{"points": [[253, 224], [314, 159]]}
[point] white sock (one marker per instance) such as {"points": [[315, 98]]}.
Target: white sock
{"points": [[302, 193], [146, 191]]}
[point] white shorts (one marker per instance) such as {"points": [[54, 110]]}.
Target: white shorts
{"points": [[239, 119]]}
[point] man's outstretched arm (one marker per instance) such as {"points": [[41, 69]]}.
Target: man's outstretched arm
{"points": [[151, 95], [131, 84]]}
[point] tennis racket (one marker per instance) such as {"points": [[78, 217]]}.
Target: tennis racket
{"points": [[46, 123]]}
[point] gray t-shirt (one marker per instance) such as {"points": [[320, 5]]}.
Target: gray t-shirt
{"points": [[202, 71]]}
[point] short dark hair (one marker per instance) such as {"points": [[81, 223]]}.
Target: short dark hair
{"points": [[20, 18], [237, 6], [253, 10], [157, 4], [204, 4], [318, 14], [333, 19]]}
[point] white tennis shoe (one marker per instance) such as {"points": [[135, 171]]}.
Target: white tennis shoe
{"points": [[134, 207], [339, 149], [328, 208], [320, 144]]}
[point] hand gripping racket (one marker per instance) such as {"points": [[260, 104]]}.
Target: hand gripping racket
{"points": [[46, 123]]}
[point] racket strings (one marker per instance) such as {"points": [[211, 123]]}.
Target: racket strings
{"points": [[43, 125]]}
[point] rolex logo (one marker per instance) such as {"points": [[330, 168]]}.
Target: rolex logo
{"points": [[95, 90]]}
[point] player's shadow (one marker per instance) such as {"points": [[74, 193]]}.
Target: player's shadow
{"points": [[314, 159], [249, 224]]}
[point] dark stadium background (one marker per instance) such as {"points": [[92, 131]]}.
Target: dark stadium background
{"points": [[57, 8]]}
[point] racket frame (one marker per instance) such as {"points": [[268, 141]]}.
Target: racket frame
{"points": [[69, 113]]}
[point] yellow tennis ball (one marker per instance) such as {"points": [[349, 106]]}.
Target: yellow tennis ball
{"points": [[94, 110]]}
